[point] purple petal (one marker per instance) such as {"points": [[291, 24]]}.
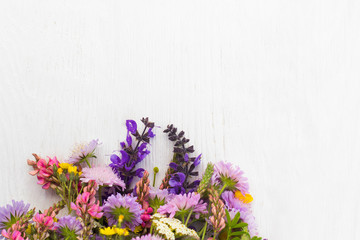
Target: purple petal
{"points": [[115, 159], [124, 157], [131, 126], [173, 165], [150, 133], [122, 144], [197, 160], [186, 157], [181, 176], [139, 172], [128, 139]]}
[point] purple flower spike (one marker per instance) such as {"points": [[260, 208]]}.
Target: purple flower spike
{"points": [[186, 157], [128, 139], [173, 165], [131, 126]]}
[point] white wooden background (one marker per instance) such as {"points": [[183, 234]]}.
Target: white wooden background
{"points": [[272, 86]]}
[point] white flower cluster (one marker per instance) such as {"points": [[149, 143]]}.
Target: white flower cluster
{"points": [[166, 227]]}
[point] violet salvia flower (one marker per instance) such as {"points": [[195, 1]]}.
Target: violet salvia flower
{"points": [[148, 237], [68, 227], [83, 152], [10, 214], [127, 206], [125, 164], [184, 204], [231, 177], [102, 175], [182, 167]]}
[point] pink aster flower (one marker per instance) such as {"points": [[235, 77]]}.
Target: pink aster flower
{"points": [[83, 152], [235, 205], [102, 175], [148, 237], [189, 202], [231, 176]]}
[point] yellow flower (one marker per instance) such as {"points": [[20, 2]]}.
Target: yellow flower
{"points": [[121, 218], [121, 231], [28, 230], [245, 199], [72, 169], [60, 170], [65, 165], [107, 231]]}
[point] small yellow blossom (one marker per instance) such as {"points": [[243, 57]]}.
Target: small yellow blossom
{"points": [[72, 169], [121, 218], [107, 231], [60, 170], [65, 165], [28, 230], [121, 231], [245, 199]]}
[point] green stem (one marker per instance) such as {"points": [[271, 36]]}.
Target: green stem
{"points": [[187, 220], [87, 162], [203, 234], [99, 193], [223, 188], [154, 179]]}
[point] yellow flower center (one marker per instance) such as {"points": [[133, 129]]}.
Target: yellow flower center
{"points": [[245, 199]]}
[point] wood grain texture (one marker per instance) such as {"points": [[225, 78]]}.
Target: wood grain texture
{"points": [[272, 86]]}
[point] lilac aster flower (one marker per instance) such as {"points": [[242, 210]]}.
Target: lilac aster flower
{"points": [[184, 204], [231, 176], [102, 175], [10, 214], [127, 206], [68, 227], [158, 197], [148, 237], [83, 152], [234, 206]]}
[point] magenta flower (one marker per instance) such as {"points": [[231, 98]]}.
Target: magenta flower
{"points": [[102, 175], [85, 203], [43, 170], [148, 237], [83, 152], [15, 235], [230, 176], [127, 206], [44, 221], [184, 203]]}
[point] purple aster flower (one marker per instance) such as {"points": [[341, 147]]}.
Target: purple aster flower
{"points": [[127, 206], [159, 193], [231, 176], [184, 203], [83, 152], [148, 237], [131, 126], [10, 214], [102, 175], [68, 227], [234, 206]]}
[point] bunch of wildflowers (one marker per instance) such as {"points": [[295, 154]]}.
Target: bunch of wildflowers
{"points": [[103, 205]]}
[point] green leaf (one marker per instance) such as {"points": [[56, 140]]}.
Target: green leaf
{"points": [[228, 216], [240, 225], [237, 238], [238, 233], [236, 219]]}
